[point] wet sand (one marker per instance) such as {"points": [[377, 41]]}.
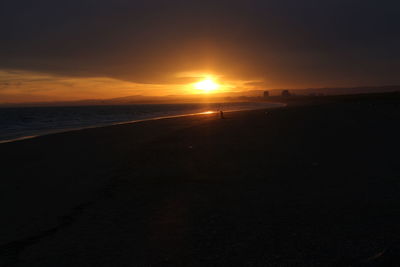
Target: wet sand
{"points": [[315, 183]]}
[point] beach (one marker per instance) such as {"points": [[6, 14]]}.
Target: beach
{"points": [[315, 183]]}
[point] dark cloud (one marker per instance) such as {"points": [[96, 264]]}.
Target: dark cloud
{"points": [[285, 42]]}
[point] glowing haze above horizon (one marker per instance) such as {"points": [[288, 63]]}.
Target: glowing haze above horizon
{"points": [[75, 50]]}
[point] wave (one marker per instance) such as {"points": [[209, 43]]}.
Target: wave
{"points": [[27, 122]]}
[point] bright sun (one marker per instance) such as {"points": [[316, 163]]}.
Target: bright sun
{"points": [[206, 85]]}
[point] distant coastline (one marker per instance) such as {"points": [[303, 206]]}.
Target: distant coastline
{"points": [[227, 97]]}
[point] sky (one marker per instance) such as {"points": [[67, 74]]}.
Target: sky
{"points": [[94, 49]]}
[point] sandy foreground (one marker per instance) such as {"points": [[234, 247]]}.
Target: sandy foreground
{"points": [[317, 184]]}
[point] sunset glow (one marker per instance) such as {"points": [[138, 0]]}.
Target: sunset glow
{"points": [[207, 85]]}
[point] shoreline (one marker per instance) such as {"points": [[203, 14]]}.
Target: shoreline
{"points": [[277, 105]]}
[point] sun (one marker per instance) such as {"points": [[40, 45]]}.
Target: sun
{"points": [[207, 85]]}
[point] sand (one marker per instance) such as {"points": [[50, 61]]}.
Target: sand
{"points": [[315, 183]]}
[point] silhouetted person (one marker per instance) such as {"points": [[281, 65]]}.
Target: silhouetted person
{"points": [[221, 113]]}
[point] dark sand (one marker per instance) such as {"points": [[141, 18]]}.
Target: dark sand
{"points": [[311, 184]]}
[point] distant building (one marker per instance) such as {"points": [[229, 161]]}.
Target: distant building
{"points": [[266, 93], [286, 93]]}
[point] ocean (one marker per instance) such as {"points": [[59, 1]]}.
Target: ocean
{"points": [[24, 122]]}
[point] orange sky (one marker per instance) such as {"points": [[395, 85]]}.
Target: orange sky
{"points": [[24, 86], [85, 49]]}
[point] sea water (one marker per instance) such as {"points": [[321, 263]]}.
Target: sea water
{"points": [[23, 122]]}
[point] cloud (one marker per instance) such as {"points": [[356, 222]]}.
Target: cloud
{"points": [[286, 43], [24, 86]]}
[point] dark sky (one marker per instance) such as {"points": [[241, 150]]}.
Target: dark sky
{"points": [[299, 43]]}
